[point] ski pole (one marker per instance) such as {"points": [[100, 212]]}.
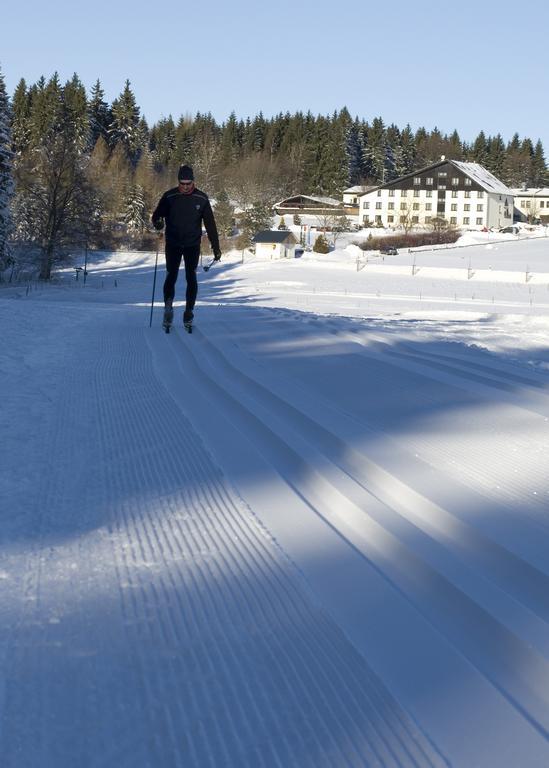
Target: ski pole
{"points": [[154, 279], [209, 266]]}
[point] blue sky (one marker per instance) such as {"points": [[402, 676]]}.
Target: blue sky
{"points": [[471, 65]]}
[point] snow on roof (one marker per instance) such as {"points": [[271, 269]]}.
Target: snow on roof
{"points": [[483, 177], [357, 188], [324, 200], [273, 236], [531, 192]]}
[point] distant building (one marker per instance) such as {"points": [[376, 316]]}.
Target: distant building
{"points": [[352, 195], [275, 244], [466, 195], [532, 204], [310, 204]]}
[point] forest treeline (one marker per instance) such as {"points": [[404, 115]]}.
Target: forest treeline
{"points": [[84, 169]]}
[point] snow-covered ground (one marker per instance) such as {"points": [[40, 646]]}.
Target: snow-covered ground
{"points": [[314, 533]]}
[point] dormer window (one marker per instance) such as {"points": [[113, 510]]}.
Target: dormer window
{"points": [[417, 180]]}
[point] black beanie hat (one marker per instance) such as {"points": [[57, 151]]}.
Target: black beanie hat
{"points": [[185, 173]]}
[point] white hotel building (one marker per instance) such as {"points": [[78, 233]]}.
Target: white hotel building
{"points": [[465, 194]]}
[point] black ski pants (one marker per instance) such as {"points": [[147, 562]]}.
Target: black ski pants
{"points": [[190, 255]]}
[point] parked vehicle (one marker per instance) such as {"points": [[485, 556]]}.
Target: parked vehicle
{"points": [[389, 251]]}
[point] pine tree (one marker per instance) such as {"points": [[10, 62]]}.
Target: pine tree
{"points": [[75, 112], [539, 168], [479, 153], [230, 145], [256, 219], [45, 110], [376, 151], [162, 141], [125, 128], [495, 160], [6, 174], [21, 109], [408, 150], [99, 115], [135, 210], [515, 175], [455, 147]]}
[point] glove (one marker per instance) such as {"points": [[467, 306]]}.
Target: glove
{"points": [[217, 255], [159, 225]]}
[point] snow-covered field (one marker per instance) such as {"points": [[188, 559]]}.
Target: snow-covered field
{"points": [[314, 533]]}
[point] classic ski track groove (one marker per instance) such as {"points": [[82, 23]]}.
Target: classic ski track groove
{"points": [[468, 468], [406, 750], [162, 625], [162, 618], [365, 520]]}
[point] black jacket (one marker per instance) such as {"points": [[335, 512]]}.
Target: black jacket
{"points": [[184, 215]]}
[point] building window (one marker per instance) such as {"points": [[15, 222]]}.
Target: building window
{"points": [[429, 193], [480, 194], [454, 207], [453, 220], [379, 205], [454, 193], [480, 220], [391, 193], [466, 207], [429, 181], [466, 220], [455, 181], [415, 219], [365, 219], [403, 206], [417, 180], [379, 193], [428, 206], [403, 219], [442, 174], [365, 205], [467, 194], [415, 206], [480, 207], [542, 203], [467, 182], [404, 193], [416, 192], [427, 219], [441, 186], [528, 203], [391, 206], [390, 219]]}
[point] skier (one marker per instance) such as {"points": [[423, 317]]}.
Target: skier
{"points": [[184, 208]]}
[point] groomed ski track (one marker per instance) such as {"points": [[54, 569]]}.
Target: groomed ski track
{"points": [[225, 560]]}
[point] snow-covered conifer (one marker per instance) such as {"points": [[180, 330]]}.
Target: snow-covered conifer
{"points": [[134, 213], [99, 115], [125, 127], [6, 172]]}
